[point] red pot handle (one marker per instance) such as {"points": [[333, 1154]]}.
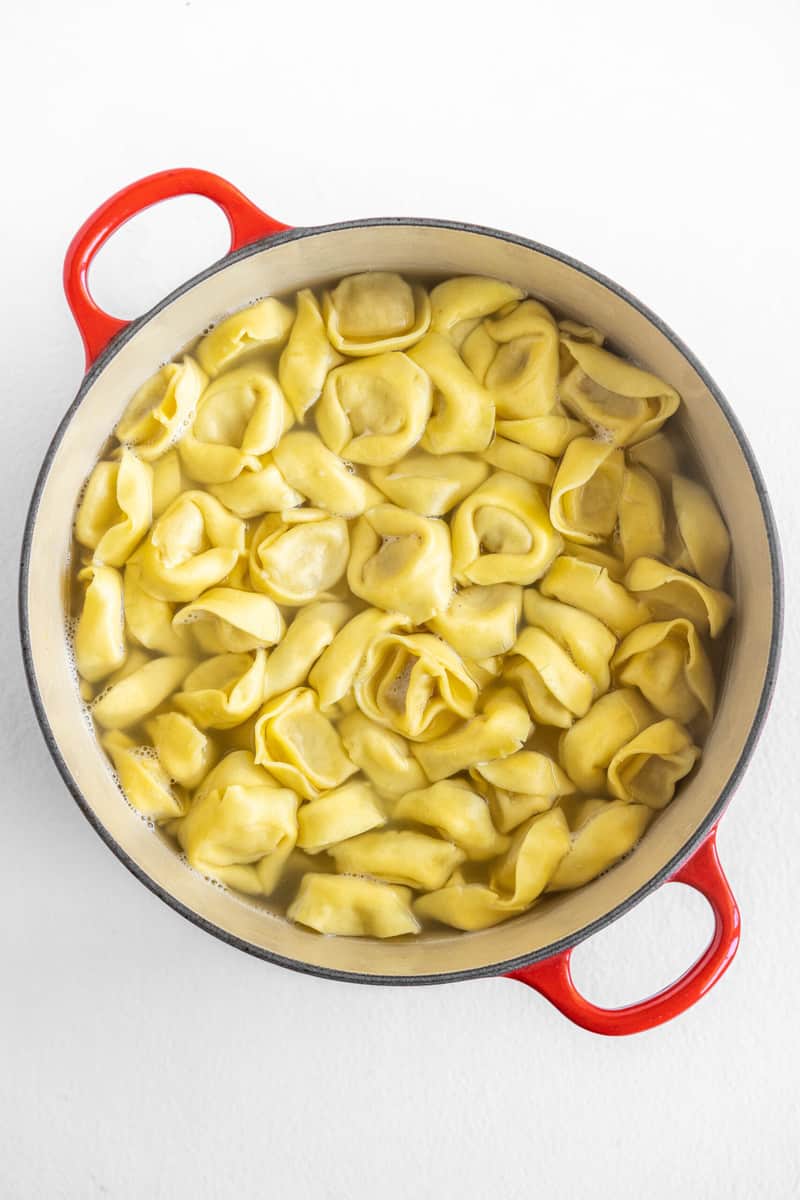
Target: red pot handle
{"points": [[553, 977], [247, 224]]}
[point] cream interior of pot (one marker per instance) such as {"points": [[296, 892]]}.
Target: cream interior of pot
{"points": [[426, 251]]}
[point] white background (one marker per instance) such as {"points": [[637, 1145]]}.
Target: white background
{"points": [[140, 1057]]}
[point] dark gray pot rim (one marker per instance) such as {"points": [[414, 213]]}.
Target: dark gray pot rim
{"points": [[689, 846]]}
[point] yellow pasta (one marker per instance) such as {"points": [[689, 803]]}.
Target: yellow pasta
{"points": [[429, 484], [241, 826], [144, 781], [481, 622], [520, 786], [160, 410], [590, 744], [401, 561], [300, 746], [100, 634], [415, 684], [374, 312], [383, 755], [458, 813], [116, 509], [667, 662], [401, 856], [240, 416], [191, 548], [516, 358], [262, 325], [668, 593], [338, 815], [406, 583], [375, 410], [463, 411], [641, 516], [624, 402], [701, 541], [500, 728], [298, 554], [185, 752], [224, 690], [307, 464], [353, 907], [307, 357], [502, 533], [585, 498], [602, 832]]}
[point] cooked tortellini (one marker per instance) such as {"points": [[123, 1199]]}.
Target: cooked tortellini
{"points": [[160, 410], [502, 533], [116, 509], [297, 555], [240, 416], [399, 560], [391, 604], [375, 410], [374, 312], [516, 357]]}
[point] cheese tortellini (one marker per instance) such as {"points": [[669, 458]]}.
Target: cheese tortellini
{"points": [[391, 604]]}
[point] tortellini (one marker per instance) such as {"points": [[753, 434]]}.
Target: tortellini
{"points": [[516, 357], [307, 464], [463, 411], [307, 356], [401, 561], [241, 826], [353, 907], [374, 312], [383, 755], [481, 622], [262, 325], [668, 592], [191, 547], [501, 727], [240, 416], [116, 509], [375, 410], [298, 554], [230, 620], [602, 832], [585, 498], [224, 690], [458, 813], [338, 815], [415, 684], [300, 746], [623, 402], [429, 484], [702, 543], [146, 784], [392, 604], [519, 786], [502, 533], [160, 410], [667, 662], [100, 633]]}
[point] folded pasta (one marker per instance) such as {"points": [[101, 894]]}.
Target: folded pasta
{"points": [[391, 602]]}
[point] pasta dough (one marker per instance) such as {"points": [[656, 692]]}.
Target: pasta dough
{"points": [[391, 604]]}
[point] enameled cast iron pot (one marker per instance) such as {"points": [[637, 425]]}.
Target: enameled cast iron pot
{"points": [[269, 257]]}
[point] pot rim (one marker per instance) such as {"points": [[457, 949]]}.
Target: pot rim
{"points": [[700, 833]]}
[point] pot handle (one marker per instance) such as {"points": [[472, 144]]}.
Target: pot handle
{"points": [[247, 224], [553, 977]]}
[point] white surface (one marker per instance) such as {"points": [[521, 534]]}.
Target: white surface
{"points": [[144, 1059]]}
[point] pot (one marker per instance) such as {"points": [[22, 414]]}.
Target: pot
{"points": [[267, 256]]}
